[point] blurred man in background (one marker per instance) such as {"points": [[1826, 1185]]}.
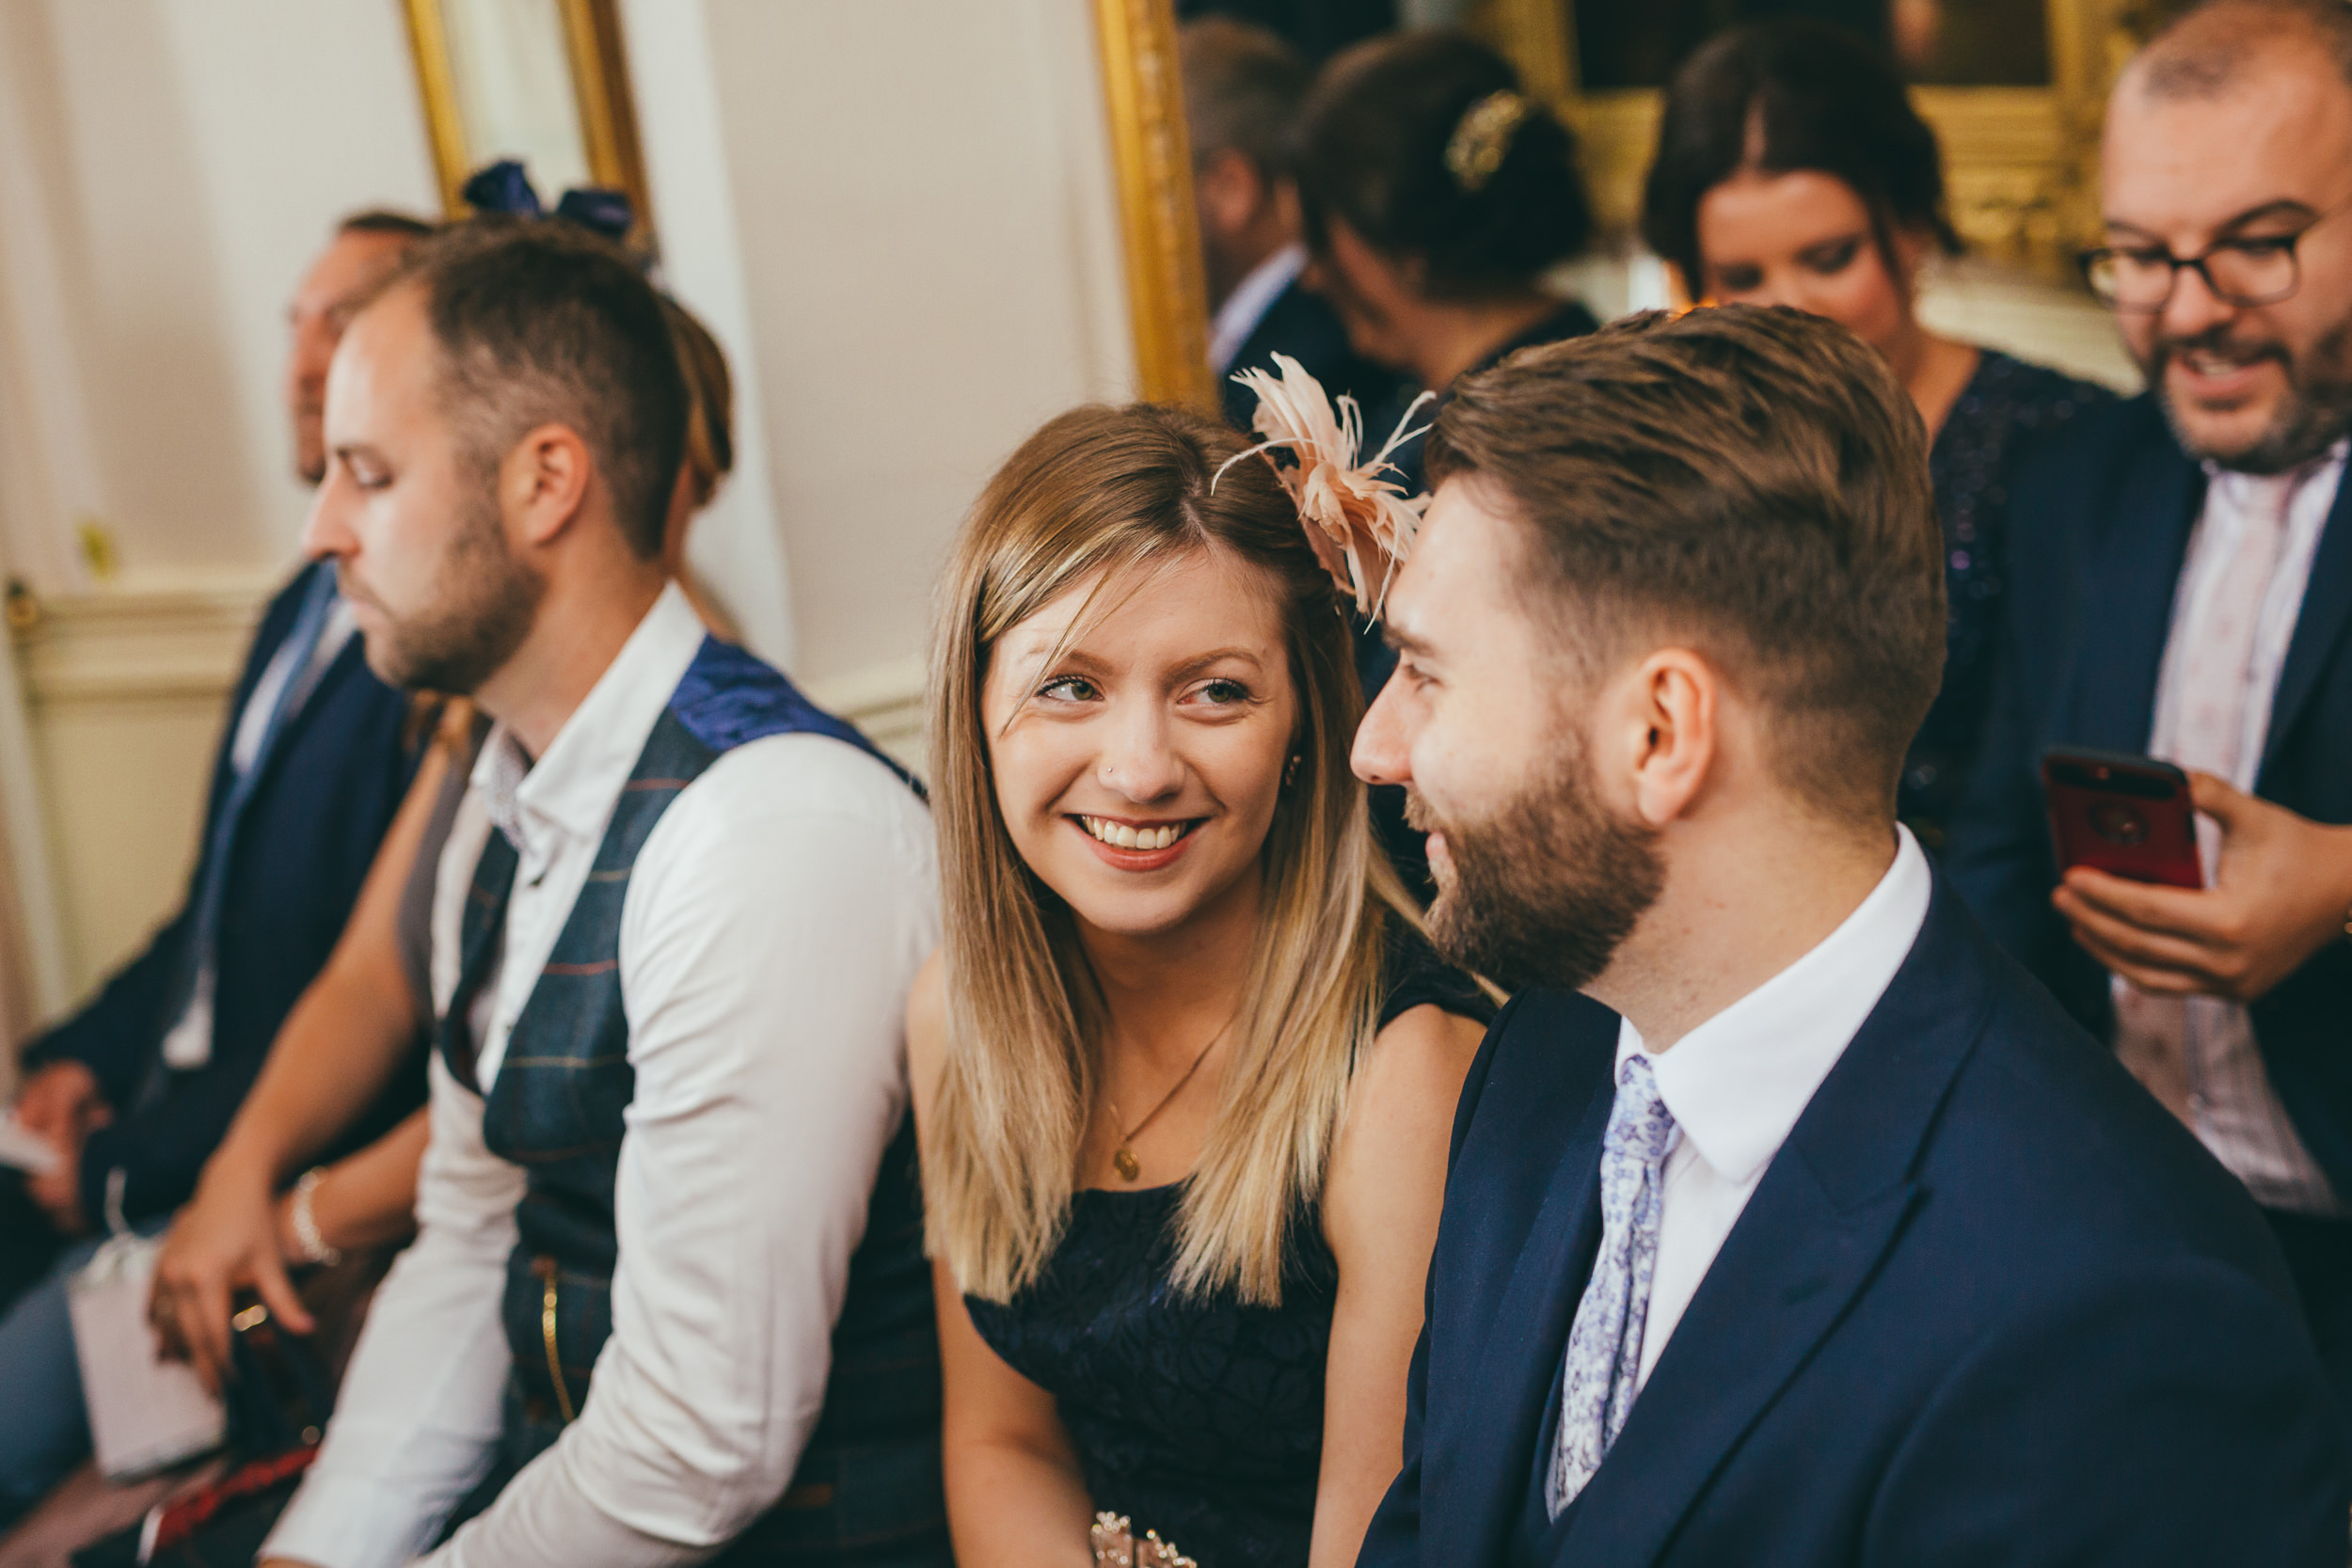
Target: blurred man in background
{"points": [[1243, 87], [132, 1092], [2189, 598]]}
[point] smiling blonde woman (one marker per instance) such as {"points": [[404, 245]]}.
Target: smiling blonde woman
{"points": [[1185, 1069]]}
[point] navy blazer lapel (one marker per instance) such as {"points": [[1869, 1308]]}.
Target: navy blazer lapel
{"points": [[1830, 1206], [1475, 1468], [2129, 576], [2319, 627], [350, 662]]}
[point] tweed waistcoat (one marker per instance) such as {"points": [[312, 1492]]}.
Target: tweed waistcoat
{"points": [[870, 1477]]}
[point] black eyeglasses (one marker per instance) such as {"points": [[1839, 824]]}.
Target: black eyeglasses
{"points": [[2258, 270]]}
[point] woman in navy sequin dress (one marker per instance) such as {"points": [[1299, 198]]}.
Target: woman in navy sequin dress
{"points": [[1185, 1069], [1792, 170]]}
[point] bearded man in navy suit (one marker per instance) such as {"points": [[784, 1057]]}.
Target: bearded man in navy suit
{"points": [[1836, 1241], [2188, 592]]}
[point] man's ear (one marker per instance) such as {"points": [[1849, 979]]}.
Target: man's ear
{"points": [[545, 481], [1664, 721]]}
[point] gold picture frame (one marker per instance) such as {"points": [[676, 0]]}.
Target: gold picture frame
{"points": [[598, 67], [2020, 163], [1150, 151]]}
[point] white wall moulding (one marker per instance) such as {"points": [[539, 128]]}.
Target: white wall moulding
{"points": [[125, 689], [32, 943], [142, 641]]}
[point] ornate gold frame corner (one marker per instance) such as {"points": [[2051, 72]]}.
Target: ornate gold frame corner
{"points": [[1151, 155], [599, 73]]}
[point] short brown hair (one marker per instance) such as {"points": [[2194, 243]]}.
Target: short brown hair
{"points": [[546, 322], [2207, 49], [386, 221], [1243, 85], [710, 402], [1751, 479]]}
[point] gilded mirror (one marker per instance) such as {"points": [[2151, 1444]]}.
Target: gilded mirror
{"points": [[544, 82]]}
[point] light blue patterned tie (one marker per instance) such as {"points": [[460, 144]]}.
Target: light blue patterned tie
{"points": [[1605, 1342]]}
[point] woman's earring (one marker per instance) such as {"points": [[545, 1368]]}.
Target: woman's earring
{"points": [[1290, 770]]}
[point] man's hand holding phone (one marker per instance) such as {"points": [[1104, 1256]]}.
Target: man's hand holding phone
{"points": [[2280, 893]]}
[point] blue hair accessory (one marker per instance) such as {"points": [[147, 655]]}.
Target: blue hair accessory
{"points": [[503, 187]]}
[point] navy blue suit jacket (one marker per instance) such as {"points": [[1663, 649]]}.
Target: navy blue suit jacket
{"points": [[2100, 531], [331, 784], [1989, 1303], [1302, 325]]}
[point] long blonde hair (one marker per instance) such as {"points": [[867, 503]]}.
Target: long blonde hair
{"points": [[1099, 490]]}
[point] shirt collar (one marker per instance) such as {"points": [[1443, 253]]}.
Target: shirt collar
{"points": [[1247, 306], [2239, 488], [1737, 1082], [569, 793]]}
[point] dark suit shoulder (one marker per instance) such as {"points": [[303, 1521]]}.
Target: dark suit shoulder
{"points": [[1302, 325], [2058, 1161], [2083, 466]]}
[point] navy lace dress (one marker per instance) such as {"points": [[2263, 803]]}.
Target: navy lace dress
{"points": [[2007, 409], [1197, 1417]]}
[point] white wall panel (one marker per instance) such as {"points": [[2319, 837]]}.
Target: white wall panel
{"points": [[930, 238]]}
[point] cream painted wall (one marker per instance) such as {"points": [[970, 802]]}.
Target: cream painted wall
{"points": [[167, 170], [192, 156], [928, 223]]}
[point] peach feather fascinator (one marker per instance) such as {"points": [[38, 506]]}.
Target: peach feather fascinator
{"points": [[1360, 525]]}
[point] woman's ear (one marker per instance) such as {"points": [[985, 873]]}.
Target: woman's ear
{"points": [[1914, 243]]}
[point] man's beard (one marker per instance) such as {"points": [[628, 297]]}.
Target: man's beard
{"points": [[1547, 889], [482, 609], [2312, 416]]}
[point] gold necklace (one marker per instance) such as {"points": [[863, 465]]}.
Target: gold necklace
{"points": [[1124, 1159]]}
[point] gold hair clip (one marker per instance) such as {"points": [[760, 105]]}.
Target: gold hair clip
{"points": [[1116, 1546], [1482, 140]]}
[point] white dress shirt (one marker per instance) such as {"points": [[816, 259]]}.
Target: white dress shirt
{"points": [[1737, 1084], [1247, 306], [773, 924], [2208, 1043]]}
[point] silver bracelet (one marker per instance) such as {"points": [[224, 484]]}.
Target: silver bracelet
{"points": [[306, 1225]]}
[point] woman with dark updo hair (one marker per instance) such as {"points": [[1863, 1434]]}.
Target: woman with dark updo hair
{"points": [[1436, 199], [1792, 170]]}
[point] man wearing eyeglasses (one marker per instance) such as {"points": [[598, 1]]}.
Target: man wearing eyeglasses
{"points": [[2183, 587]]}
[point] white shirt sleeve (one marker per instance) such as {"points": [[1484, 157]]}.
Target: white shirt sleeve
{"points": [[418, 1417], [773, 925]]}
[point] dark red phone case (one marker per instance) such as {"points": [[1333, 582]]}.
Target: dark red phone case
{"points": [[2127, 815]]}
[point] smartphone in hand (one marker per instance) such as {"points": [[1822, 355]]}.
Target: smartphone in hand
{"points": [[2127, 815]]}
